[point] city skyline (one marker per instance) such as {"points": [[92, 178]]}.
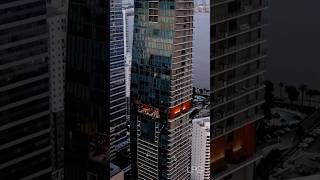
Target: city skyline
{"points": [[159, 90]]}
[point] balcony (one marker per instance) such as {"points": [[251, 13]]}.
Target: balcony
{"points": [[184, 1], [184, 7], [243, 11], [225, 114], [242, 29], [224, 67], [225, 82], [222, 131], [224, 99], [222, 52], [220, 2], [232, 168]]}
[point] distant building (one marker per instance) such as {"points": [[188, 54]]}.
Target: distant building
{"points": [[57, 26], [200, 154], [118, 104], [128, 58]]}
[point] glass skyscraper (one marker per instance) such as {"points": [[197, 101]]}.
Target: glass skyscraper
{"points": [[237, 86], [25, 146], [161, 89]]}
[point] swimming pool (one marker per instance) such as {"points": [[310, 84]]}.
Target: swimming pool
{"points": [[283, 117]]}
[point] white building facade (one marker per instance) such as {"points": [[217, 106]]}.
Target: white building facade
{"points": [[200, 155]]}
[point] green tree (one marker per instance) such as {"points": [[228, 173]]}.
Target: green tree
{"points": [[281, 84], [293, 93], [269, 99]]}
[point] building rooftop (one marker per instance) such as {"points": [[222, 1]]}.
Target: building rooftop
{"points": [[204, 122]]}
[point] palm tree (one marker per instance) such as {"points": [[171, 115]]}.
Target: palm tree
{"points": [[303, 89], [281, 84], [293, 93], [309, 94]]}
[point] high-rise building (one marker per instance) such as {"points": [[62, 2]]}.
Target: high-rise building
{"points": [[161, 86], [200, 153], [57, 26], [87, 96], [25, 146], [237, 86], [119, 140], [128, 58]]}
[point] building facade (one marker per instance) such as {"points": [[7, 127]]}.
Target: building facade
{"points": [[200, 153], [118, 105], [161, 89], [25, 145], [87, 96], [57, 28], [128, 57], [237, 85]]}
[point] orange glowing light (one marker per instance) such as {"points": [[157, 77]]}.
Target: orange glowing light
{"points": [[237, 148], [181, 108]]}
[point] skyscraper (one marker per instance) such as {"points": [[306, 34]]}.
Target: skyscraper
{"points": [[237, 90], [25, 146], [200, 153], [119, 139], [117, 79], [161, 89], [57, 26], [87, 102], [128, 56]]}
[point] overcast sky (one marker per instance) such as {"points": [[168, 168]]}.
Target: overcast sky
{"points": [[294, 42]]}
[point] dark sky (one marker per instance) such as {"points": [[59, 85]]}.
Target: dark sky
{"points": [[294, 42]]}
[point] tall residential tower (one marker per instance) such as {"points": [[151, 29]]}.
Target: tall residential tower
{"points": [[161, 89], [200, 153], [237, 90], [25, 146]]}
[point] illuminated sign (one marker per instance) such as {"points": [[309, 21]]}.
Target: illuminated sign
{"points": [[149, 111]]}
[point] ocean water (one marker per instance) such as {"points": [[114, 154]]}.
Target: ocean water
{"points": [[201, 51]]}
